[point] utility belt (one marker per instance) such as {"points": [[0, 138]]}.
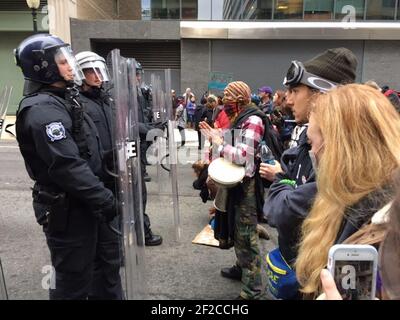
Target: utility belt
{"points": [[51, 208]]}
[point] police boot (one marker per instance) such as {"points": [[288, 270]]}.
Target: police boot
{"points": [[151, 239], [234, 272]]}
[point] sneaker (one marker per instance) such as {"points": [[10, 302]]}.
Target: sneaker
{"points": [[234, 273]]}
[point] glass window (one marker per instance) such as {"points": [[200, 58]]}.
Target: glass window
{"points": [[349, 9], [263, 10], [232, 10], [211, 9], [165, 9], [217, 9], [318, 10], [398, 10], [189, 9], [288, 9], [381, 9], [146, 15], [249, 10]]}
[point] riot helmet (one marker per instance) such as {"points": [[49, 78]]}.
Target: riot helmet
{"points": [[139, 74], [47, 59], [139, 68], [93, 66]]}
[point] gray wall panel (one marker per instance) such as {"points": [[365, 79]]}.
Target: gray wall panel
{"points": [[265, 62], [82, 31], [195, 60], [382, 62]]}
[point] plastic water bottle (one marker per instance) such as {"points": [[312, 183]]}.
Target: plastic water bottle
{"points": [[266, 154]]}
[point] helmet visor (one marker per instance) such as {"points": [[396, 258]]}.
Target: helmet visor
{"points": [[97, 68], [68, 67]]}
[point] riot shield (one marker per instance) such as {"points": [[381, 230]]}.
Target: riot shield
{"points": [[172, 147], [159, 147], [4, 102], [167, 176], [127, 151], [3, 290]]}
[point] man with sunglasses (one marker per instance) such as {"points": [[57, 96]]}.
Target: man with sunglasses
{"points": [[292, 193]]}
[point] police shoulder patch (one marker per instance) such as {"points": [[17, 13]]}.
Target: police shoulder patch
{"points": [[55, 131]]}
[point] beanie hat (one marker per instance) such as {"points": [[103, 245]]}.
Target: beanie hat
{"points": [[237, 91], [265, 89], [338, 65]]}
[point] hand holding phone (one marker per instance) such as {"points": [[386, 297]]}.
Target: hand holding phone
{"points": [[354, 268]]}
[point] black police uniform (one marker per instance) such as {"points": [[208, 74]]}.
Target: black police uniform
{"points": [[144, 117], [97, 104], [70, 201]]}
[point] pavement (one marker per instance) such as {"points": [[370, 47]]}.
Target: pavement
{"points": [[177, 269]]}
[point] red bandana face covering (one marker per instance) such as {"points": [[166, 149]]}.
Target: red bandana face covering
{"points": [[230, 109]]}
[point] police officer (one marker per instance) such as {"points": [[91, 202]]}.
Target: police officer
{"points": [[145, 118], [97, 104], [59, 144]]}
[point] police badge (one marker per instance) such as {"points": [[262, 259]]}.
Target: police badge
{"points": [[55, 131]]}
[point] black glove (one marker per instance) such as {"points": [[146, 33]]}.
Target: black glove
{"points": [[160, 124], [107, 213]]}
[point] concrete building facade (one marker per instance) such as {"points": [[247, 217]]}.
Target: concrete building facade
{"points": [[254, 41], [250, 40]]}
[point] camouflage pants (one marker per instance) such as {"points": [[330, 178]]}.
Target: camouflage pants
{"points": [[246, 243]]}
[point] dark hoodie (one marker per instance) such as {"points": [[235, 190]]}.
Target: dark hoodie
{"points": [[287, 206]]}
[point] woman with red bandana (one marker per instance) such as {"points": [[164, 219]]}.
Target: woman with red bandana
{"points": [[240, 148]]}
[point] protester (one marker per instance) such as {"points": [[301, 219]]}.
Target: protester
{"points": [[393, 96], [200, 114], [241, 201], [354, 134], [293, 189], [180, 119], [266, 105], [190, 110]]}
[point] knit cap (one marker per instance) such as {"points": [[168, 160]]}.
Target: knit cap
{"points": [[338, 65]]}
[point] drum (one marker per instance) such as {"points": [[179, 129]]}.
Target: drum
{"points": [[225, 173]]}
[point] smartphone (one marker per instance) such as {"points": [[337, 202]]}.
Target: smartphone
{"points": [[354, 268]]}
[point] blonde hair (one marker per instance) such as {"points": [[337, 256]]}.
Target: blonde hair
{"points": [[361, 132], [212, 98]]}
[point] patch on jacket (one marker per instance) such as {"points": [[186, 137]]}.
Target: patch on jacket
{"points": [[55, 131]]}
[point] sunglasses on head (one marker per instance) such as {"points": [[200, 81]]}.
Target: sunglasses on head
{"points": [[297, 74]]}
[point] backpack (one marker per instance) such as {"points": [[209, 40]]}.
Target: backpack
{"points": [[281, 278], [271, 138]]}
